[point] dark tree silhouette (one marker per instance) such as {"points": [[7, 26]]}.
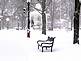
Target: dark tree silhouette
{"points": [[76, 22], [28, 30], [43, 17]]}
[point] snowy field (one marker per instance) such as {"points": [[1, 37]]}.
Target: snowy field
{"points": [[15, 46]]}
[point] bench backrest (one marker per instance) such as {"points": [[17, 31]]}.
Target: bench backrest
{"points": [[51, 39]]}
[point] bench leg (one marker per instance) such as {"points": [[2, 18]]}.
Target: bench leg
{"points": [[38, 46], [42, 49], [51, 49], [46, 48]]}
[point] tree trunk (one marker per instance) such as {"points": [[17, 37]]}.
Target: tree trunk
{"points": [[76, 22], [23, 21], [2, 25], [28, 27], [43, 17], [52, 15]]}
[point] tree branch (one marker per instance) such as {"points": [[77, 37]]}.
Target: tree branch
{"points": [[40, 2], [37, 9], [48, 5]]}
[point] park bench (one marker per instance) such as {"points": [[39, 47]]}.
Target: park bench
{"points": [[46, 43]]}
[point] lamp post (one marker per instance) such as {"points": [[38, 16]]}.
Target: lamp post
{"points": [[28, 25], [7, 19]]}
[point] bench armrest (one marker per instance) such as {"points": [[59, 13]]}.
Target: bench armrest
{"points": [[41, 41]]}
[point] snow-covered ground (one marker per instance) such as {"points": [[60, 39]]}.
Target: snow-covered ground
{"points": [[15, 46]]}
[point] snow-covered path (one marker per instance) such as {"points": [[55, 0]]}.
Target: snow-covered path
{"points": [[15, 46]]}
